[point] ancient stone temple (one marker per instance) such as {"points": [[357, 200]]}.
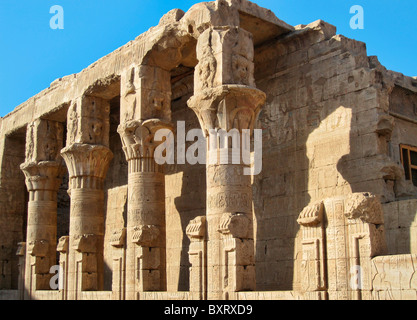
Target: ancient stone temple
{"points": [[87, 211]]}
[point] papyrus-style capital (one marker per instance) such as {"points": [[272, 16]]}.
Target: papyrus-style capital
{"points": [[138, 137], [227, 107], [87, 165]]}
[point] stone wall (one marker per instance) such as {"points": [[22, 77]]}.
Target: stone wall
{"points": [[401, 226]]}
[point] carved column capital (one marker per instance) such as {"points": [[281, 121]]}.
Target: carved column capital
{"points": [[146, 236], [311, 215], [227, 107], [138, 137], [225, 93], [45, 175], [63, 244], [87, 165]]}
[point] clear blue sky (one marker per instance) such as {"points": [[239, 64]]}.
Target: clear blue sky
{"points": [[32, 55]]}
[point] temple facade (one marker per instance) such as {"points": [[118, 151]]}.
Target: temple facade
{"points": [[88, 213]]}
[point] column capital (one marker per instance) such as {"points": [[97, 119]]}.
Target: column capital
{"points": [[45, 175], [87, 164], [364, 206], [138, 137], [227, 107], [226, 96]]}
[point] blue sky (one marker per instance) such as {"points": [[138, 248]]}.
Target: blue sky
{"points": [[32, 55]]}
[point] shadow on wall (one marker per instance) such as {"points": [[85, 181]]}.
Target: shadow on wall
{"points": [[321, 138]]}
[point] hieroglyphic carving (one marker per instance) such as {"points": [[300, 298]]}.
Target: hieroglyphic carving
{"points": [[224, 201], [118, 242], [21, 253]]}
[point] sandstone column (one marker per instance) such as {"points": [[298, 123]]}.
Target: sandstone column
{"points": [[87, 157], [226, 99], [145, 108], [43, 172]]}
